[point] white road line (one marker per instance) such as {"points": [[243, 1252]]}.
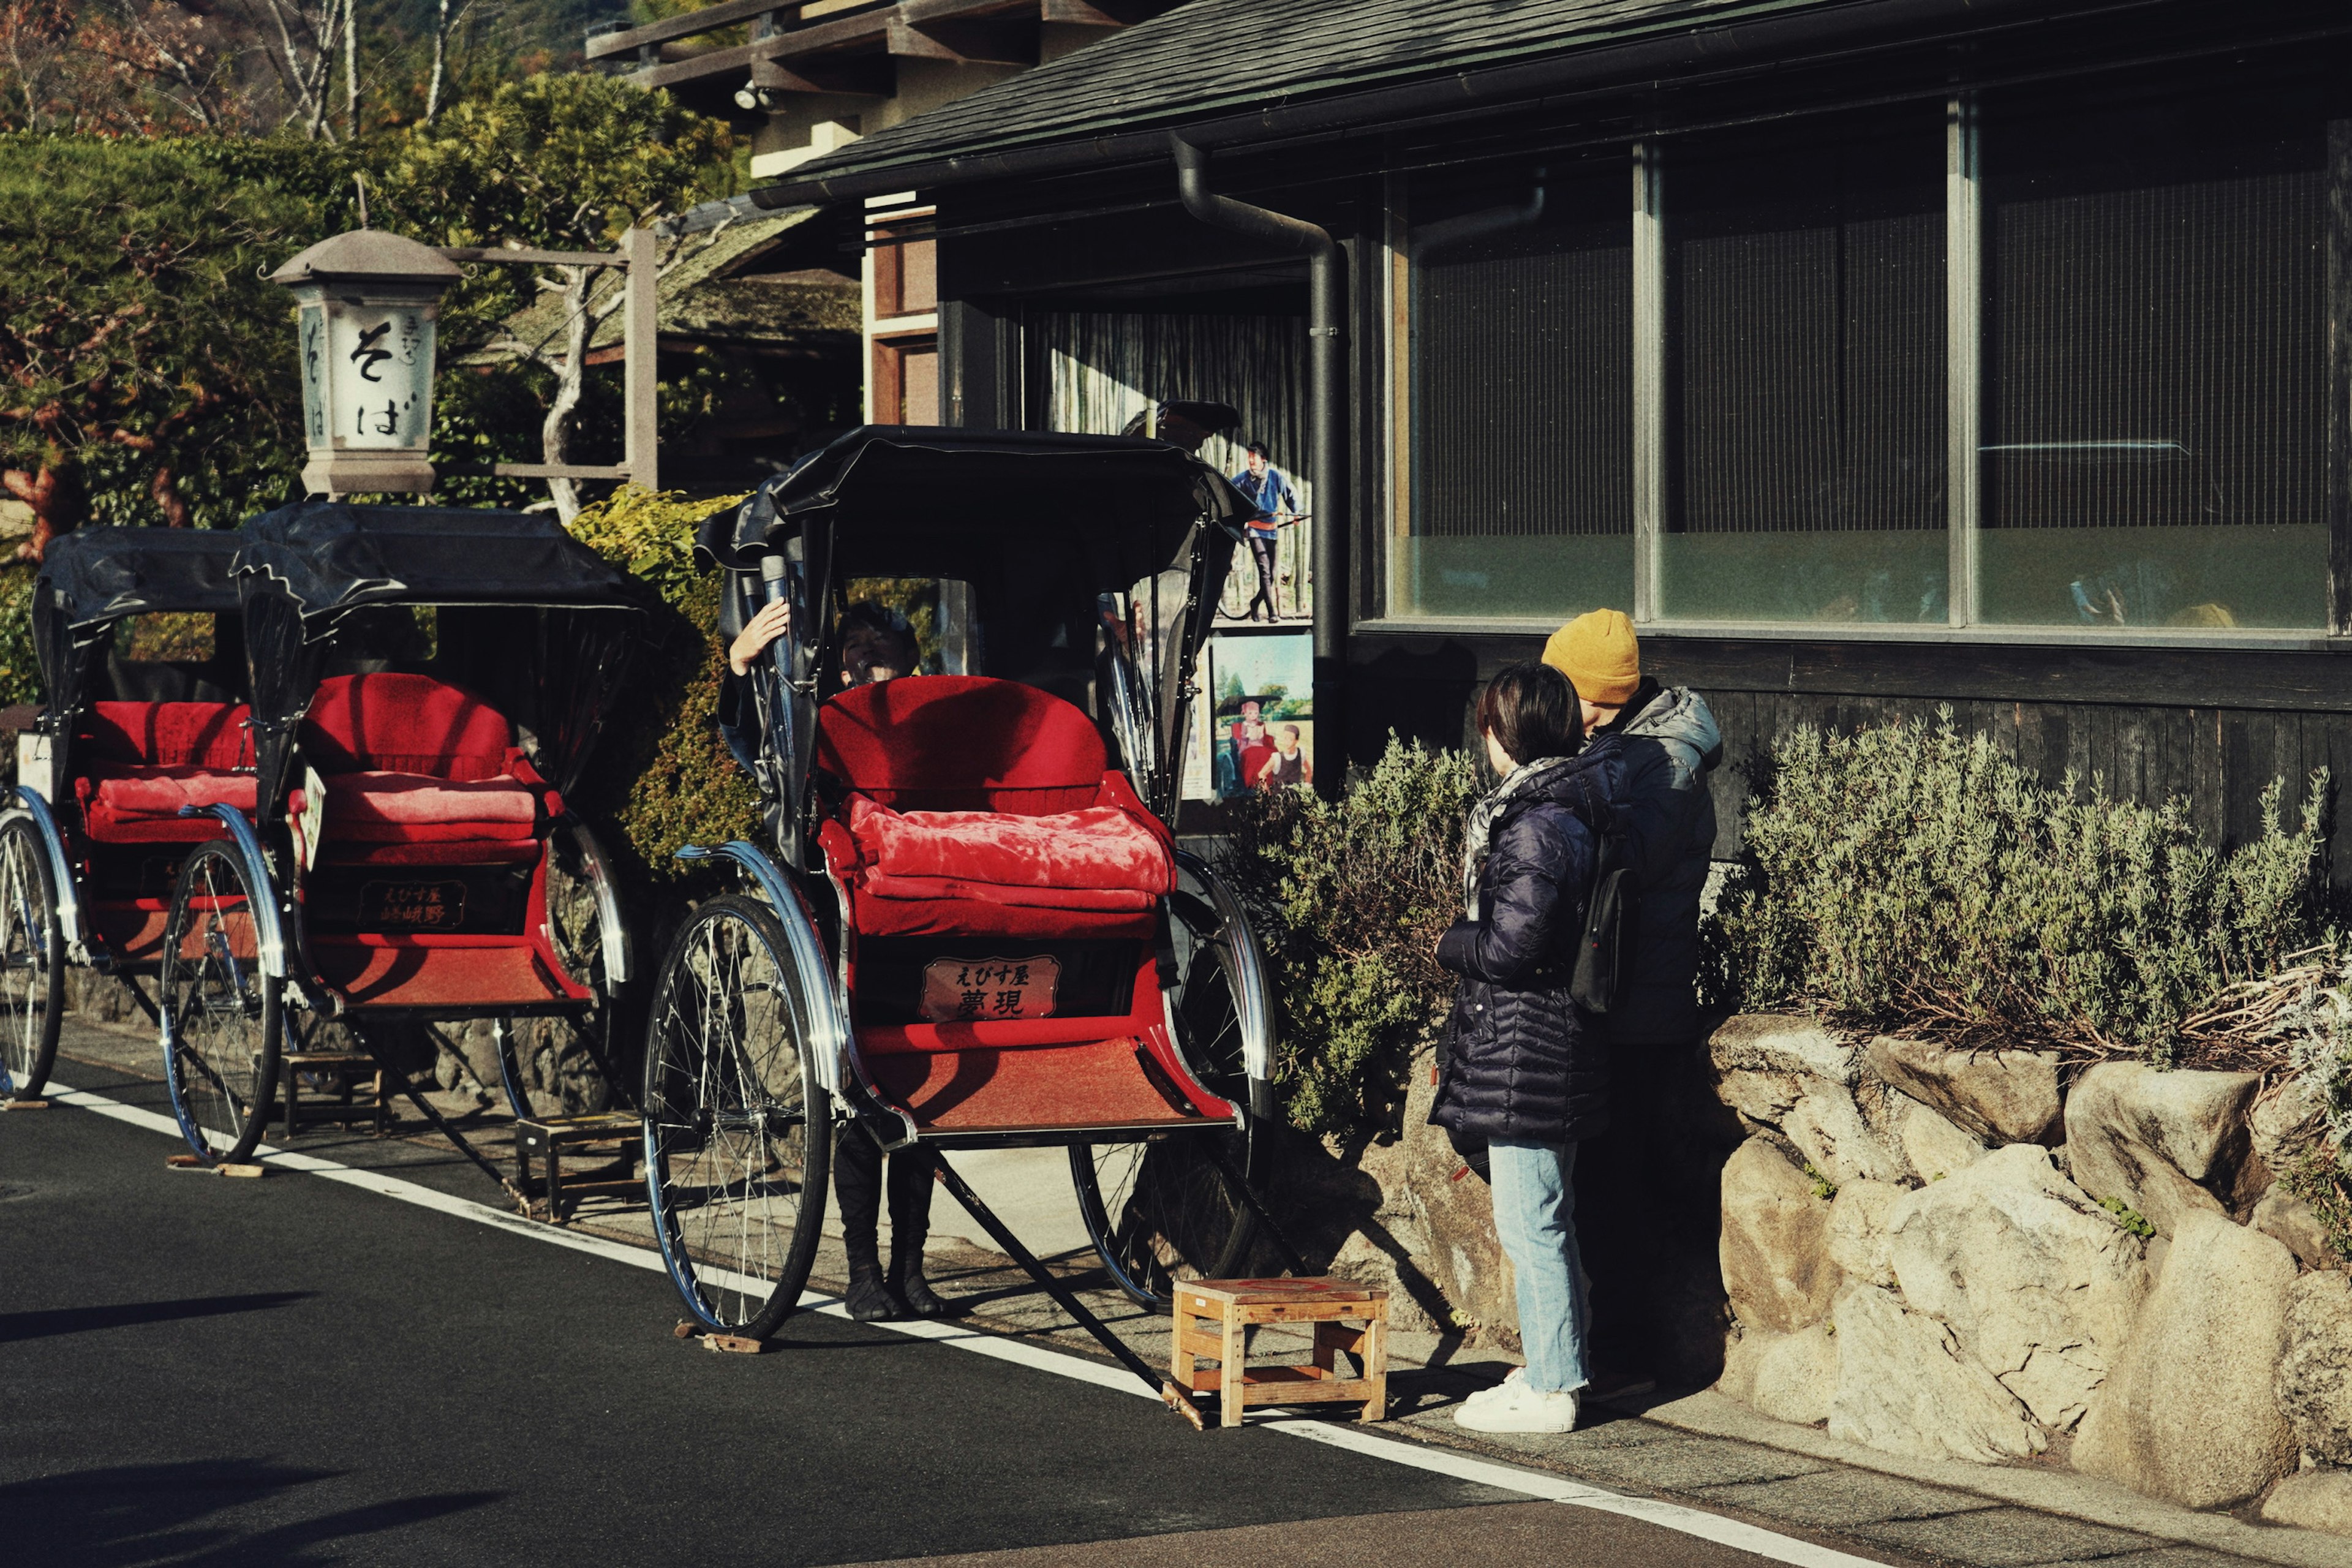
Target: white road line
{"points": [[1683, 1520]]}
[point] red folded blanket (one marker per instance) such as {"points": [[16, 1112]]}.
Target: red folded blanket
{"points": [[1101, 850], [162, 792], [418, 800]]}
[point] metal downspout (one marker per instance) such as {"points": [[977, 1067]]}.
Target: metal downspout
{"points": [[1326, 449]]}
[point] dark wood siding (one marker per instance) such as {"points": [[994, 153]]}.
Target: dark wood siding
{"points": [[2232, 723]]}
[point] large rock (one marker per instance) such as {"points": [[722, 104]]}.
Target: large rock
{"points": [[2314, 1374], [1932, 1145], [1860, 1244], [2001, 1096], [2165, 1143], [1775, 1243], [2297, 1226], [2037, 1282], [1829, 1131], [2187, 1413], [1772, 1042], [1762, 1099], [2287, 1124], [1790, 1377], [2315, 1500], [1905, 1385], [1463, 1256]]}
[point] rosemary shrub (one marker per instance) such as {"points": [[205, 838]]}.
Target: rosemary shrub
{"points": [[1349, 897], [1911, 875]]}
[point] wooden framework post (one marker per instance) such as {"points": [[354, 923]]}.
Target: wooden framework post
{"points": [[1963, 352], [2338, 242], [640, 380], [1649, 377]]}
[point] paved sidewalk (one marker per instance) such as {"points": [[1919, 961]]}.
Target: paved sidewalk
{"points": [[1700, 1449]]}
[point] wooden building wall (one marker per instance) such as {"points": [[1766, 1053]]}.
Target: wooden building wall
{"points": [[2212, 727]]}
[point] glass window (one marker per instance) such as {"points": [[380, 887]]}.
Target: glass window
{"points": [[2155, 423], [1805, 442], [1517, 414]]}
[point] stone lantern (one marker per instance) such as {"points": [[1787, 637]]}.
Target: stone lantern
{"points": [[365, 303]]}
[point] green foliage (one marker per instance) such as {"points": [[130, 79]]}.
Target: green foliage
{"points": [[1911, 875], [2129, 1218], [563, 160], [144, 361], [664, 775], [20, 669], [1350, 898], [1823, 1188]]}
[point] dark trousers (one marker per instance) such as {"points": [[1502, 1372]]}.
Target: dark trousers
{"points": [[1625, 1214], [857, 1186], [1262, 552]]}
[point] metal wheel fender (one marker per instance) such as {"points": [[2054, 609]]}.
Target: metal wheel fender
{"points": [[1255, 1002], [269, 931], [29, 802], [828, 1013], [619, 957]]}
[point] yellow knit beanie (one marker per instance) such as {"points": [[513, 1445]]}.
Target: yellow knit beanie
{"points": [[1598, 654]]}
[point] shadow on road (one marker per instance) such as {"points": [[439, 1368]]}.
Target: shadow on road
{"points": [[145, 1515], [17, 1326]]}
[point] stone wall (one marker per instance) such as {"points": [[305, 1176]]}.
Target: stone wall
{"points": [[1978, 1255]]}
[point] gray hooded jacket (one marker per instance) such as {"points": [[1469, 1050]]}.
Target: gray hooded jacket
{"points": [[1671, 744]]}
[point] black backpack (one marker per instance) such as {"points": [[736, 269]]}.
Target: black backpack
{"points": [[1604, 955], [1604, 958]]}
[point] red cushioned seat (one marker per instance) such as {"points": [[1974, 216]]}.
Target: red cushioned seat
{"points": [[981, 807], [420, 772], [139, 762]]}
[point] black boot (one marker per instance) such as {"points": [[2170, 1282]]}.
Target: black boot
{"points": [[910, 1222], [906, 1280], [857, 1183], [869, 1299]]}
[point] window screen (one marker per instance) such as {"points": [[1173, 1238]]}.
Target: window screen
{"points": [[1805, 364], [2155, 434], [1519, 401]]}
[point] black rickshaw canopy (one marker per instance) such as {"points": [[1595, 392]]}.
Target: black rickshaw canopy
{"points": [[93, 579], [1039, 527], [537, 622]]}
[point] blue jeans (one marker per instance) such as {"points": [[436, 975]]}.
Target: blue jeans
{"points": [[1535, 1218]]}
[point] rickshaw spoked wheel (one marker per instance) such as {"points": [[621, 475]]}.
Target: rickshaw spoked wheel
{"points": [[1162, 1212], [32, 961], [223, 1018], [738, 1141]]}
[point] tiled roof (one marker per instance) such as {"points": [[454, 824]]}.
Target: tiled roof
{"points": [[1211, 57]]}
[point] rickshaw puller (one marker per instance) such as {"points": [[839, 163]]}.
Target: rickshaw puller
{"points": [[872, 649]]}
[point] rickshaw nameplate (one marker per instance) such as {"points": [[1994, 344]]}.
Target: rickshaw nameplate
{"points": [[413, 906], [961, 990]]}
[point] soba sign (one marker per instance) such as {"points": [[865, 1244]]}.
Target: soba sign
{"points": [[365, 306]]}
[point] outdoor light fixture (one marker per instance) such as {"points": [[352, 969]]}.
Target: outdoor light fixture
{"points": [[365, 303]]}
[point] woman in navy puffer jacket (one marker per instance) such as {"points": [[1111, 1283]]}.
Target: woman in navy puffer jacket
{"points": [[1528, 1071]]}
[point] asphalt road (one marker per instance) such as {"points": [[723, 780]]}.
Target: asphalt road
{"points": [[202, 1370]]}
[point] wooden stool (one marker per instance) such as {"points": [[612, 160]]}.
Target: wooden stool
{"points": [[549, 1136], [1237, 1305]]}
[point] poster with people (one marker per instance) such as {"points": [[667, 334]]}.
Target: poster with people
{"points": [[1262, 727]]}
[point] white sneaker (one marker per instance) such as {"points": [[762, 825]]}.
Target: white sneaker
{"points": [[1518, 1408], [1516, 1379]]}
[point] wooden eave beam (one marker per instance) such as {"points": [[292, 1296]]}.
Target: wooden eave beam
{"points": [[709, 19], [842, 35], [1099, 13], [995, 43]]}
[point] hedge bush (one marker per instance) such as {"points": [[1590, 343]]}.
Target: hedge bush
{"points": [[1349, 897], [1911, 875], [661, 773]]}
